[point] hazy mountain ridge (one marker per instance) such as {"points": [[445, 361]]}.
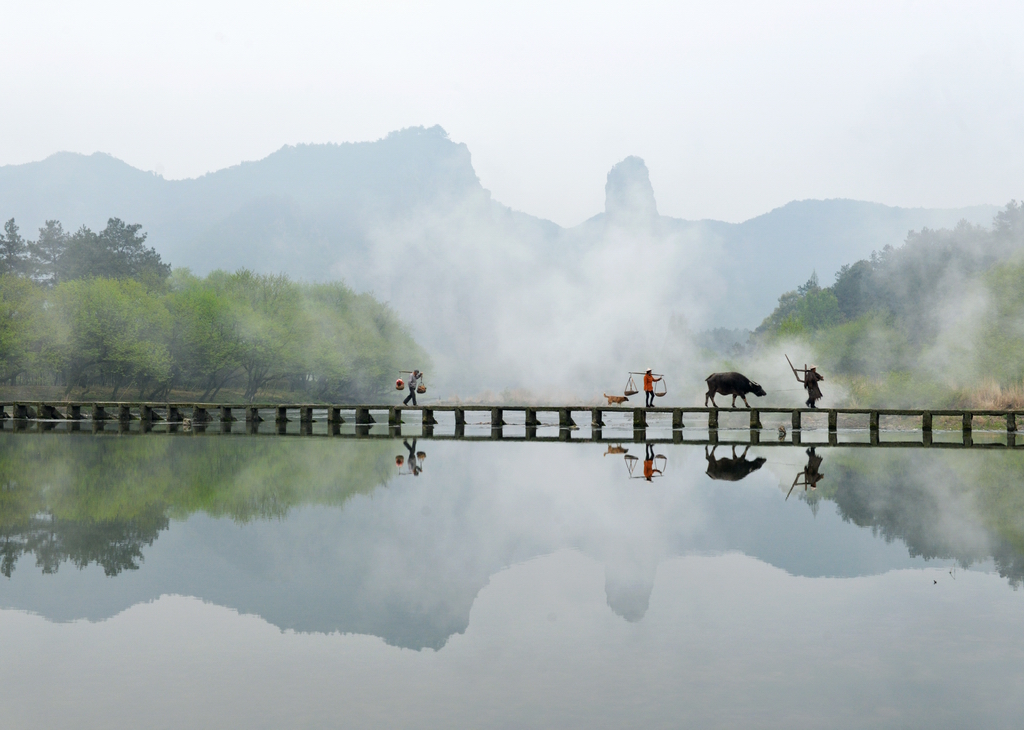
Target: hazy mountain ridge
{"points": [[496, 295]]}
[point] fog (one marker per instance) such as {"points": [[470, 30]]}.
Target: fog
{"points": [[738, 107]]}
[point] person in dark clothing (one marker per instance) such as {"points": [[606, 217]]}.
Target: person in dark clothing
{"points": [[811, 379], [414, 380]]}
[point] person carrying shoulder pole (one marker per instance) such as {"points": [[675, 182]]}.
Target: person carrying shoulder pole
{"points": [[414, 380], [649, 381]]}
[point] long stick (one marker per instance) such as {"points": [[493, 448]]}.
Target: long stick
{"points": [[794, 369]]}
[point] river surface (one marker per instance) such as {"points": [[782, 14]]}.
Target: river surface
{"points": [[174, 580]]}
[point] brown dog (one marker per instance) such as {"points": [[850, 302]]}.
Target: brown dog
{"points": [[614, 400]]}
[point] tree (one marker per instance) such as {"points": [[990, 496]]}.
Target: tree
{"points": [[205, 342], [19, 330], [117, 252], [13, 250], [46, 252], [111, 331]]}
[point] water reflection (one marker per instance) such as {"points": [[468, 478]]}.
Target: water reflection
{"points": [[320, 535], [731, 469], [811, 474]]}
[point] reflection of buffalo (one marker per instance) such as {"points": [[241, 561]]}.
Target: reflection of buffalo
{"points": [[734, 469]]}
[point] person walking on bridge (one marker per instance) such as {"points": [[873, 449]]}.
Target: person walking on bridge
{"points": [[649, 381], [414, 381], [811, 379]]}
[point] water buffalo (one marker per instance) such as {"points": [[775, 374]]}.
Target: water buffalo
{"points": [[733, 384], [734, 469]]}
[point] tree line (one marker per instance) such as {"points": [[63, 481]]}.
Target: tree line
{"points": [[93, 312]]}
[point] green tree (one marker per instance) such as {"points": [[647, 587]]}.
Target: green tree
{"points": [[116, 252], [13, 250], [46, 252], [19, 325], [205, 344], [109, 331]]}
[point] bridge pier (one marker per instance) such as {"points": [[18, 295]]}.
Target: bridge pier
{"points": [[306, 414], [968, 422], [252, 414], [833, 421], [334, 415], [926, 422], [225, 414], [596, 418], [428, 417], [713, 421], [200, 415], [677, 419], [497, 418], [282, 414], [174, 414], [639, 418], [531, 418], [99, 413], [1011, 422], [147, 414], [460, 417], [50, 412], [363, 417], [394, 417], [755, 419], [796, 421], [873, 423], [565, 419], [73, 413]]}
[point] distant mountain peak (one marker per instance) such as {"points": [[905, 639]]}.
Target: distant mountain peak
{"points": [[628, 193]]}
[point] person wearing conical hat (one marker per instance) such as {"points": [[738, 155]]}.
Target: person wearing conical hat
{"points": [[811, 379], [649, 381]]}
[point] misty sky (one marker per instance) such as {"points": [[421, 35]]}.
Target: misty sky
{"points": [[736, 107]]}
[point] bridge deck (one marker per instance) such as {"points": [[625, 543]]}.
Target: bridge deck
{"points": [[362, 414]]}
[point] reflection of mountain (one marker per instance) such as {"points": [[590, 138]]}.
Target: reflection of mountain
{"points": [[405, 562]]}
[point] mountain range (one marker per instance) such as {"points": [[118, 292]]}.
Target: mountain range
{"points": [[500, 298]]}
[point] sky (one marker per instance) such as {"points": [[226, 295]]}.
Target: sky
{"points": [[736, 107]]}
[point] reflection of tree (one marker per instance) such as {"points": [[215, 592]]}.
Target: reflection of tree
{"points": [[115, 544], [83, 499], [962, 507]]}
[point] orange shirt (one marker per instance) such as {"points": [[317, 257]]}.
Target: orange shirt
{"points": [[648, 381], [648, 470]]}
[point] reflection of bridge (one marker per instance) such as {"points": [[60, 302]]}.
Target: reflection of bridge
{"points": [[197, 416]]}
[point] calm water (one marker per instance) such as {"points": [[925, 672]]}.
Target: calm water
{"points": [[223, 581]]}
